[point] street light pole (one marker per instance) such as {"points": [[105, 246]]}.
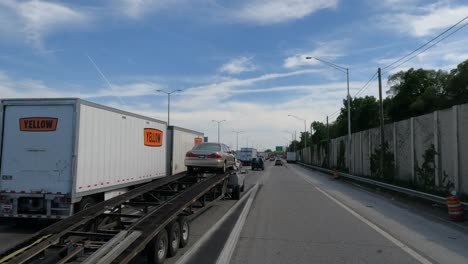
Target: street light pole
{"points": [[219, 122], [305, 128], [237, 138], [169, 103], [343, 70]]}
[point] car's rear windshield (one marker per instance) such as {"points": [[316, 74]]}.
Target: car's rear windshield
{"points": [[208, 146]]}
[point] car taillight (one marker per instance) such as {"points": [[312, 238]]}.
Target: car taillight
{"points": [[191, 155], [214, 156], [3, 198], [63, 200]]}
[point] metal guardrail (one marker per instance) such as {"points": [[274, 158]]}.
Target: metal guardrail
{"points": [[423, 195]]}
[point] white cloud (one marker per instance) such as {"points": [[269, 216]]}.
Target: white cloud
{"points": [[203, 95], [426, 20], [276, 11], [37, 19], [22, 88], [298, 60], [193, 108], [138, 8], [330, 50], [238, 65], [445, 55], [398, 4]]}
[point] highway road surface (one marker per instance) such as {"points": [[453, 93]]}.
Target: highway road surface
{"points": [[292, 222], [292, 214], [302, 216]]}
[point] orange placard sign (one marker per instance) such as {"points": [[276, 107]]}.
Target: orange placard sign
{"points": [[153, 137], [198, 140], [38, 124]]}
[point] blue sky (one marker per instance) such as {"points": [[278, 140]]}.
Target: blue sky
{"points": [[242, 61]]}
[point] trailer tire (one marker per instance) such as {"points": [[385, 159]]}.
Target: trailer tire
{"points": [[157, 249], [184, 231], [236, 193], [173, 230], [86, 202], [189, 169]]}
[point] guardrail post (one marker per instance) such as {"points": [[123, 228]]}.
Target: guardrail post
{"points": [[412, 151], [456, 176], [436, 148]]}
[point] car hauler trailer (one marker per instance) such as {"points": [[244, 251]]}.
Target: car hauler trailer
{"points": [[150, 219], [59, 156]]}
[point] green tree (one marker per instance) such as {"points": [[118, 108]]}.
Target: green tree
{"points": [[457, 84], [320, 132], [295, 145], [364, 115], [416, 92]]}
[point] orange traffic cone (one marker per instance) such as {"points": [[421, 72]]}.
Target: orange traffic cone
{"points": [[454, 206]]}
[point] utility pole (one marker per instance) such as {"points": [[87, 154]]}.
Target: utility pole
{"points": [[305, 133], [382, 138], [219, 122], [328, 144], [349, 122]]}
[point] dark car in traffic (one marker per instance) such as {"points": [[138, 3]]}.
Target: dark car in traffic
{"points": [[257, 163]]}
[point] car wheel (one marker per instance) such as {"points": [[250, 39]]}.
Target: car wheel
{"points": [[243, 187], [223, 170]]}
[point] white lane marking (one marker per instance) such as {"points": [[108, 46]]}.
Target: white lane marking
{"points": [[379, 230], [194, 248], [230, 245]]}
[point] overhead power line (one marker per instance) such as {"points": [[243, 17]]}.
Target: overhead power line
{"points": [[437, 42], [427, 43], [363, 88]]}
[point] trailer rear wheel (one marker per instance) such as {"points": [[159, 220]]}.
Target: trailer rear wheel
{"points": [[173, 230], [86, 203], [184, 231], [236, 193], [189, 169], [157, 248]]}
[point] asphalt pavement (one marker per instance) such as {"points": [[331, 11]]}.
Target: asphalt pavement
{"points": [[291, 222], [303, 216]]}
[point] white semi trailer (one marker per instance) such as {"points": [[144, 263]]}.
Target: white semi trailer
{"points": [[179, 142], [59, 156]]}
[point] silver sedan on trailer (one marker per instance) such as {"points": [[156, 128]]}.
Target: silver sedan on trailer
{"points": [[210, 155]]}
